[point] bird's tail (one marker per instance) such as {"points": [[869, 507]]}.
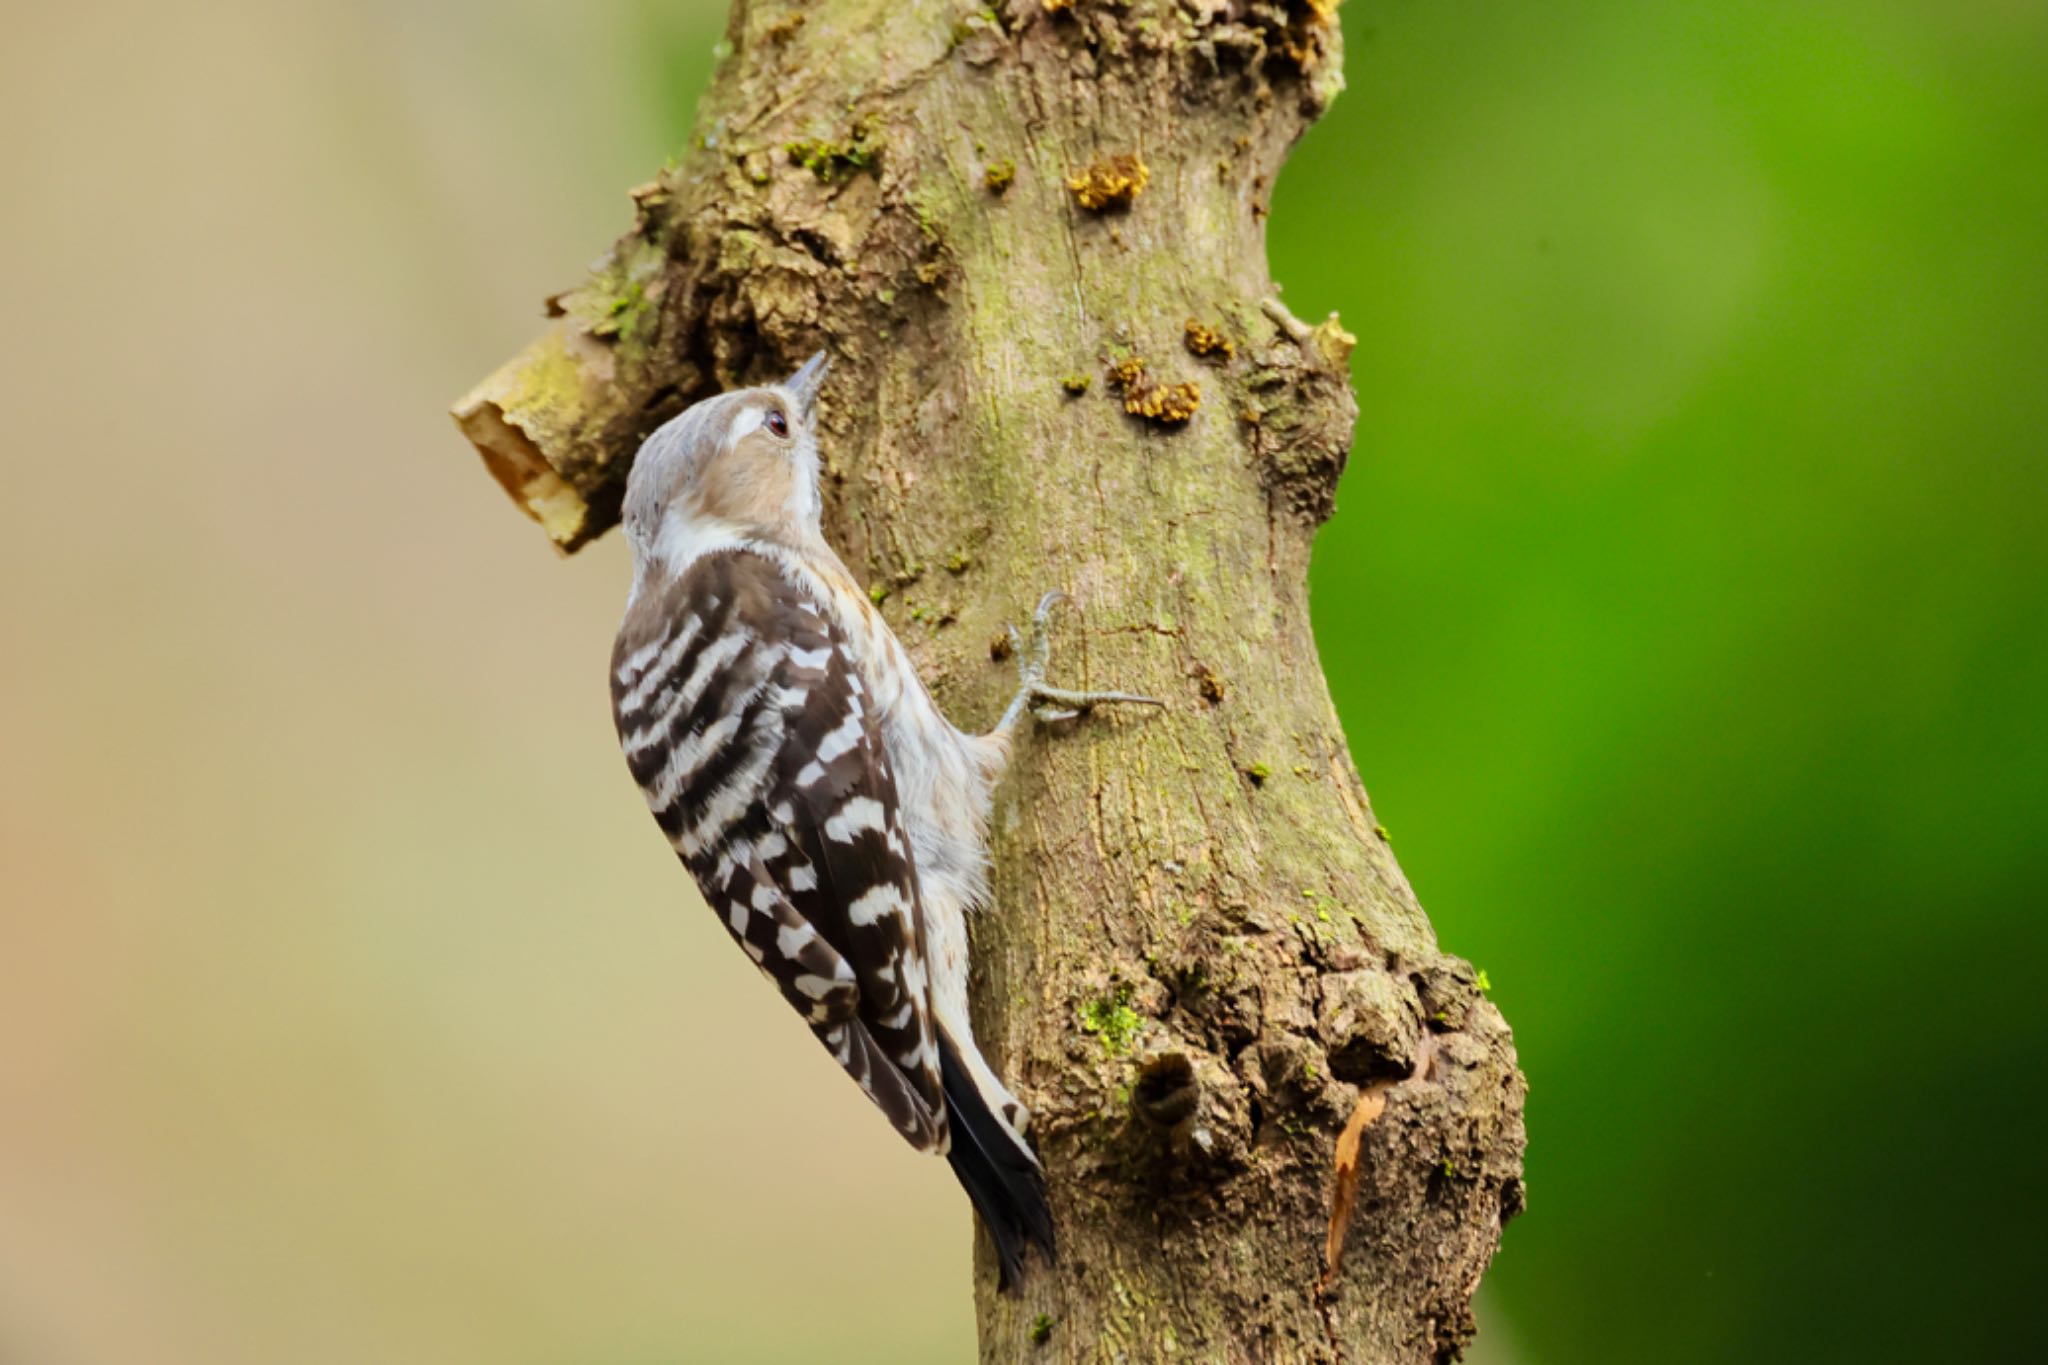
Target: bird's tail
{"points": [[994, 1166]]}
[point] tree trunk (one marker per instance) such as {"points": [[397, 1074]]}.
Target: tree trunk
{"points": [[1033, 242]]}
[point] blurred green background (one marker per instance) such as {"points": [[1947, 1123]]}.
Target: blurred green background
{"points": [[1685, 607]]}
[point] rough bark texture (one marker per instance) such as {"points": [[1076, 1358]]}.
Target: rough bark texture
{"points": [[1204, 954]]}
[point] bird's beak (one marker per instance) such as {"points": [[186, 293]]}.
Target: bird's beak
{"points": [[805, 383]]}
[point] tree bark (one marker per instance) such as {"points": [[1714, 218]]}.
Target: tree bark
{"points": [[1033, 242]]}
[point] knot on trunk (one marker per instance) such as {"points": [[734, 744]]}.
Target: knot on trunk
{"points": [[1191, 1119], [1300, 412], [1370, 1022]]}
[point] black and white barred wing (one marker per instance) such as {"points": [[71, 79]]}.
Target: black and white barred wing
{"points": [[746, 724]]}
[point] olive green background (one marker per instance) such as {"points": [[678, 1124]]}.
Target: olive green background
{"points": [[1685, 607]]}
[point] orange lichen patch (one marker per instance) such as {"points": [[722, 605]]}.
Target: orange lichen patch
{"points": [[1166, 404], [1127, 372], [1111, 182], [1058, 6], [1207, 342]]}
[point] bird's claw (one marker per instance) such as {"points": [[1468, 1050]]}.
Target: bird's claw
{"points": [[1049, 704]]}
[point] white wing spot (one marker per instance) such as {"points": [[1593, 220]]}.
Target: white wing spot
{"points": [[859, 813], [729, 801], [665, 651], [687, 757], [673, 649], [844, 737], [871, 905], [630, 666], [716, 655]]}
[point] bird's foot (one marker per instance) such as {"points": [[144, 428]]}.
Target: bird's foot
{"points": [[1046, 702]]}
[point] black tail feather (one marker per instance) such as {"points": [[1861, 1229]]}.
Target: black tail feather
{"points": [[1004, 1182]]}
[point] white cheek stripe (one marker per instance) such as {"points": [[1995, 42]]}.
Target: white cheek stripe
{"points": [[683, 539]]}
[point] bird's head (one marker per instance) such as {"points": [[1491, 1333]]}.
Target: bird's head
{"points": [[742, 465]]}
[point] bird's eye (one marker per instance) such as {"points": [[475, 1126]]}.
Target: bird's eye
{"points": [[777, 423]]}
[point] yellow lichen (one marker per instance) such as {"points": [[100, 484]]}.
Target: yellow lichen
{"points": [[1207, 342], [1000, 175], [545, 381], [1111, 182], [1167, 404], [1334, 342]]}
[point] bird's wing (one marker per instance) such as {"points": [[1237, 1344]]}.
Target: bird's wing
{"points": [[744, 719]]}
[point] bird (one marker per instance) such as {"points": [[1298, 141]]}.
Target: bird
{"points": [[830, 814]]}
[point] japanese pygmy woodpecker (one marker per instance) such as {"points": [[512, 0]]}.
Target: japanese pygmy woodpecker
{"points": [[834, 820]]}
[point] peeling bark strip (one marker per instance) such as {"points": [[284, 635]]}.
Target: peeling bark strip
{"points": [[1204, 952], [1372, 1102]]}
